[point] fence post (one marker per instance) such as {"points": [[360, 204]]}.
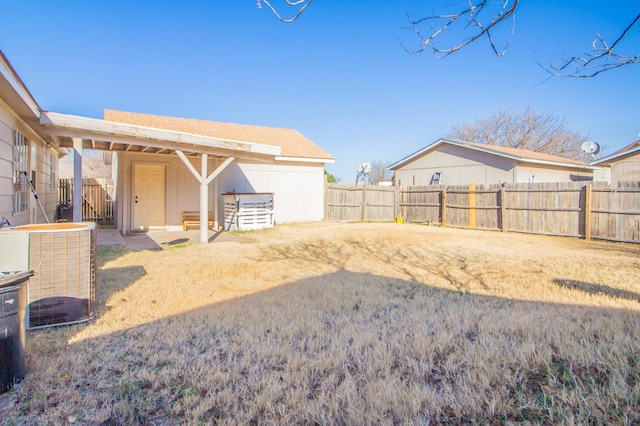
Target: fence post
{"points": [[364, 202], [443, 207], [473, 215], [503, 209], [326, 198], [396, 210], [587, 211], [404, 202]]}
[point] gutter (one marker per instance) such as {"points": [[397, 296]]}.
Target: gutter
{"points": [[16, 83]]}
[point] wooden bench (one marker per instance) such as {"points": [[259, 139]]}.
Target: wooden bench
{"points": [[193, 219]]}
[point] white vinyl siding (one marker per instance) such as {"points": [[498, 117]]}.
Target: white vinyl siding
{"points": [[298, 187], [462, 166]]}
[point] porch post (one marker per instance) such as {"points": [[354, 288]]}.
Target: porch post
{"points": [[204, 181], [216, 223], [204, 202], [77, 179]]}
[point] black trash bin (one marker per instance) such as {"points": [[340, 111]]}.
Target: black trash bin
{"points": [[13, 300]]}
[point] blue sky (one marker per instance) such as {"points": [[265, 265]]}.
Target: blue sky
{"points": [[338, 74]]}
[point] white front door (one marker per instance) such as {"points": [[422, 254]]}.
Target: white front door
{"points": [[148, 196]]}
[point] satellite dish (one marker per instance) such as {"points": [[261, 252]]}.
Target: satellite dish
{"points": [[364, 168], [590, 147]]}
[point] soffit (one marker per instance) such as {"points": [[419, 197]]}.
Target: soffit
{"points": [[104, 135]]}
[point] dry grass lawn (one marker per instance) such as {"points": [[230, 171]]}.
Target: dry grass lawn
{"points": [[348, 324]]}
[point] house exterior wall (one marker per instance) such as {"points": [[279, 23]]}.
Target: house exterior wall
{"points": [[181, 189], [626, 170], [298, 187], [7, 124], [459, 166], [602, 174], [42, 165], [540, 173]]}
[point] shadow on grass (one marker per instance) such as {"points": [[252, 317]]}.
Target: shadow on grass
{"points": [[415, 262], [628, 249], [112, 280], [344, 348], [599, 289], [107, 254], [231, 236]]}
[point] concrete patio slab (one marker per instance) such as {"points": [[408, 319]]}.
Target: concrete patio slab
{"points": [[158, 240], [109, 237]]}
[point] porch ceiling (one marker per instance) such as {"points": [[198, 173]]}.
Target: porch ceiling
{"points": [[104, 135]]}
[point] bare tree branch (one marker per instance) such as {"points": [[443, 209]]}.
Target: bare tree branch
{"points": [[378, 172], [470, 18], [482, 19], [539, 132], [601, 59], [294, 3]]}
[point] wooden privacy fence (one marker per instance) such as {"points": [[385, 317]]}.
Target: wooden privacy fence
{"points": [[97, 200], [575, 209], [360, 203]]}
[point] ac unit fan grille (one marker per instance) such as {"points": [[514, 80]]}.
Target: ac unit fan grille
{"points": [[62, 290]]}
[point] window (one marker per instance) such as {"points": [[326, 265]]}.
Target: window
{"points": [[52, 173], [20, 185]]}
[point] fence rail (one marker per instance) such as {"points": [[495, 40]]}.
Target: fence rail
{"points": [[351, 203], [97, 200], [576, 209]]}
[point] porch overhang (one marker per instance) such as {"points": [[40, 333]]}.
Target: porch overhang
{"points": [[104, 135], [79, 133]]}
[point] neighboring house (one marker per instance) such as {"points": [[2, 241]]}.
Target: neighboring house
{"points": [[452, 162], [23, 148], [167, 165], [624, 163]]}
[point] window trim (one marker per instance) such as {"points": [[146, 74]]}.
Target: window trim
{"points": [[20, 167], [52, 173]]}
